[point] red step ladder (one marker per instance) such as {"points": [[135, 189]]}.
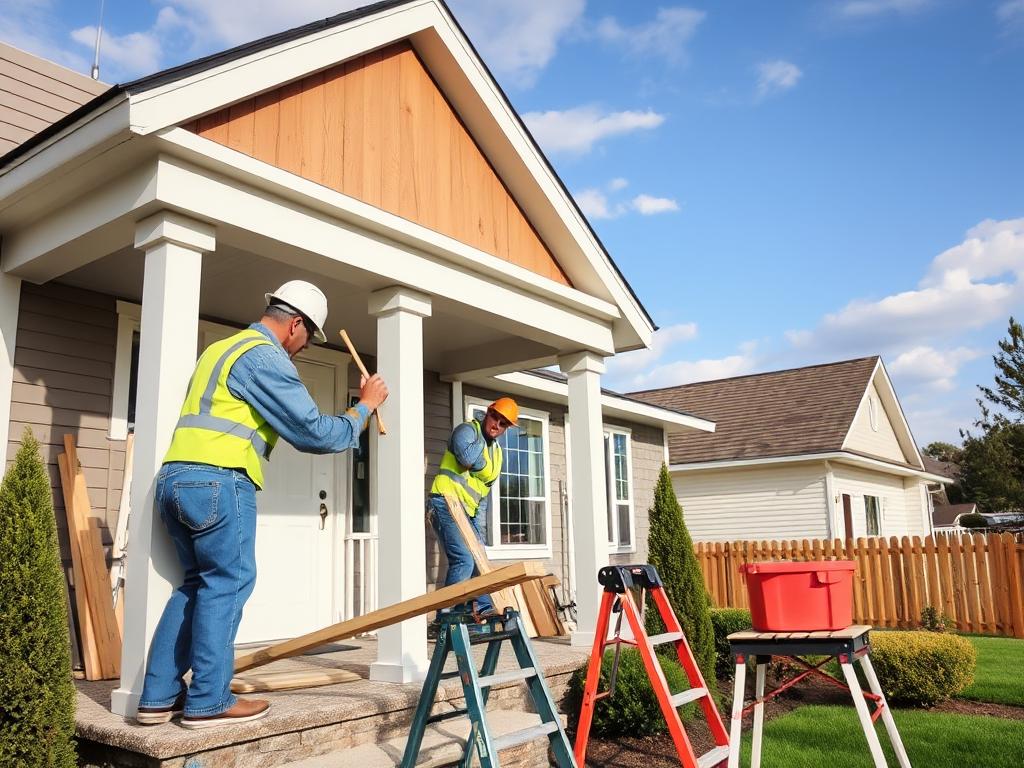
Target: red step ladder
{"points": [[617, 581]]}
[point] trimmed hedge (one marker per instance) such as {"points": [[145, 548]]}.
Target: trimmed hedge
{"points": [[37, 697], [726, 621], [633, 710], [922, 668]]}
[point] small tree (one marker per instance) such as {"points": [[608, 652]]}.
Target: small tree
{"points": [[670, 550], [1009, 390], [37, 697]]}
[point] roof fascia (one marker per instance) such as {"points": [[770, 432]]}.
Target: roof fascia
{"points": [[891, 404], [553, 391], [477, 98], [837, 456]]}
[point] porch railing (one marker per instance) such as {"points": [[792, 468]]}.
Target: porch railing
{"points": [[360, 574]]}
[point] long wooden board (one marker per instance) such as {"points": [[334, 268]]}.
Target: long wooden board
{"points": [[289, 680], [445, 597], [502, 599]]}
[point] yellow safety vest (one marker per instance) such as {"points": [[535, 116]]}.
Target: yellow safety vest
{"points": [[469, 486], [215, 427]]}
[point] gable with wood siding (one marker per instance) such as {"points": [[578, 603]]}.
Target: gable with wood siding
{"points": [[377, 128]]}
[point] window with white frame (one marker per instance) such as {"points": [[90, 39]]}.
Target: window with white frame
{"points": [[873, 515], [518, 518], [619, 487]]}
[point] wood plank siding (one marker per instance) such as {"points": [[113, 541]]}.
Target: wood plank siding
{"points": [[377, 128], [35, 93]]}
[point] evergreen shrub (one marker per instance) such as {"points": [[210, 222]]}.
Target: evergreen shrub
{"points": [[725, 621], [922, 668], [633, 710], [670, 550], [37, 697]]}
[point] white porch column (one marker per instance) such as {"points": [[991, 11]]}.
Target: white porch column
{"points": [[10, 298], [173, 247], [398, 476], [587, 473]]}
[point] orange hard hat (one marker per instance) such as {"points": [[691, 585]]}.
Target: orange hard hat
{"points": [[507, 407]]}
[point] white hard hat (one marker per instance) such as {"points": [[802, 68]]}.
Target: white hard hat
{"points": [[305, 298]]}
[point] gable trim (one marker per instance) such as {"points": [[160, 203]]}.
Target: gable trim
{"points": [[891, 408], [843, 457]]}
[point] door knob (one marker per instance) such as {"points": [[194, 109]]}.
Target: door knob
{"points": [[323, 515]]}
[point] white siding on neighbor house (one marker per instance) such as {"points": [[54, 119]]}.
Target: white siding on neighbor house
{"points": [[766, 502], [901, 503], [866, 439]]}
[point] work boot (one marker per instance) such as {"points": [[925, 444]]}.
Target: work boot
{"points": [[243, 711], [159, 715]]}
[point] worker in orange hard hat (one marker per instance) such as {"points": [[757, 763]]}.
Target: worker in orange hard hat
{"points": [[470, 466]]}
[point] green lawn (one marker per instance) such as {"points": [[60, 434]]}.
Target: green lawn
{"points": [[999, 677], [816, 736]]}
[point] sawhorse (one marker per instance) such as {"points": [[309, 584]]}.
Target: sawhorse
{"points": [[846, 645]]}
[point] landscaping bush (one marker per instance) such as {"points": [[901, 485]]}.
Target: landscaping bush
{"points": [[725, 621], [670, 550], [973, 520], [633, 710], [922, 668], [934, 620], [37, 697]]}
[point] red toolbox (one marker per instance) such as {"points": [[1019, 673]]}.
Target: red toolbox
{"points": [[800, 597]]}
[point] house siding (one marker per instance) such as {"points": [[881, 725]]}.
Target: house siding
{"points": [[881, 442], [779, 502], [901, 510]]}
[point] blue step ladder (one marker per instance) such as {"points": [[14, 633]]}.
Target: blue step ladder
{"points": [[454, 636]]}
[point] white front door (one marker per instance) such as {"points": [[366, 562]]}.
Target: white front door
{"points": [[294, 555]]}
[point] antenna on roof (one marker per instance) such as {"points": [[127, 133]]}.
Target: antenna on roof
{"points": [[99, 37]]}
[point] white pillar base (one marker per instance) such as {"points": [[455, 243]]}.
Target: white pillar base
{"points": [[580, 639]]}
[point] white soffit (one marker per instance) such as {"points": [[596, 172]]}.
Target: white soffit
{"points": [[841, 457], [476, 97]]}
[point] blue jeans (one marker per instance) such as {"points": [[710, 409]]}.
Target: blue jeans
{"points": [[460, 560], [210, 514]]}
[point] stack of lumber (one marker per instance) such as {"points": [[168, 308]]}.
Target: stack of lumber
{"points": [[97, 626], [530, 599]]}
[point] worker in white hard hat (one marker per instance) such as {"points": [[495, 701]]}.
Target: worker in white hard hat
{"points": [[245, 393], [470, 466]]}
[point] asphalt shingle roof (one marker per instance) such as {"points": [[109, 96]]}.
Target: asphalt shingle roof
{"points": [[765, 415]]}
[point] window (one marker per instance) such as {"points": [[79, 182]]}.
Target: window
{"points": [[518, 523], [873, 515], [619, 486]]}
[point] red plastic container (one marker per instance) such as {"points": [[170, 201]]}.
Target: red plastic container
{"points": [[800, 597]]}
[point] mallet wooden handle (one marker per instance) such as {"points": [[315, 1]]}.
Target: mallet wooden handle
{"points": [[362, 370]]}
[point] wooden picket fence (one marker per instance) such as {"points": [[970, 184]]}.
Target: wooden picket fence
{"points": [[977, 580]]}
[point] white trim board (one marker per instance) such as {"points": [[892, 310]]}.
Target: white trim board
{"points": [[838, 456]]}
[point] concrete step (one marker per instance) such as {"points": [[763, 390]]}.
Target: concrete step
{"points": [[443, 744]]}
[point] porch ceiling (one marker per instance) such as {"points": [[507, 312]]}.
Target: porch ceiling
{"points": [[234, 281]]}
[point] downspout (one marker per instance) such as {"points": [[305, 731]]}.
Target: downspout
{"points": [[831, 525]]}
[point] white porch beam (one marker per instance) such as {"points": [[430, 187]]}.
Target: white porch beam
{"points": [[587, 475], [398, 476], [173, 247], [10, 299], [492, 358]]}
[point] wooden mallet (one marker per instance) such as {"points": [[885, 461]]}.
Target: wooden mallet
{"points": [[362, 370]]}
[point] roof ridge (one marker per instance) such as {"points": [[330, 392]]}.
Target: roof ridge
{"points": [[754, 375]]}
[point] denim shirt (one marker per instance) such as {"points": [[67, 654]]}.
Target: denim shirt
{"points": [[266, 378], [468, 449]]}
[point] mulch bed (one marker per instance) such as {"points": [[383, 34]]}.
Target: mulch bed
{"points": [[659, 752]]}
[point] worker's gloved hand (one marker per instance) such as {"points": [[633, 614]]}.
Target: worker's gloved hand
{"points": [[372, 391]]}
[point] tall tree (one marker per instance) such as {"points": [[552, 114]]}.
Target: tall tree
{"points": [[1008, 393], [941, 451]]}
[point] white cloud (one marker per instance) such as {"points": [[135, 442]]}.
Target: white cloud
{"points": [[649, 206], [687, 371], [594, 204], [969, 286], [666, 36], [616, 184], [929, 367], [776, 76], [133, 54], [859, 9], [1011, 12], [576, 130], [33, 26]]}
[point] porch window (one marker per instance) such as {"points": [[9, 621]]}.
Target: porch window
{"points": [[619, 489], [873, 515], [518, 519]]}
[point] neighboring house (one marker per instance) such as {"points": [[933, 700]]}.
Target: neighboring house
{"points": [[372, 154], [816, 452], [946, 517]]}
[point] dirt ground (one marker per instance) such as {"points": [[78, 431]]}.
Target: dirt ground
{"points": [[659, 752]]}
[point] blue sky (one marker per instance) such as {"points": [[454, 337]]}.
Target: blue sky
{"points": [[782, 183]]}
